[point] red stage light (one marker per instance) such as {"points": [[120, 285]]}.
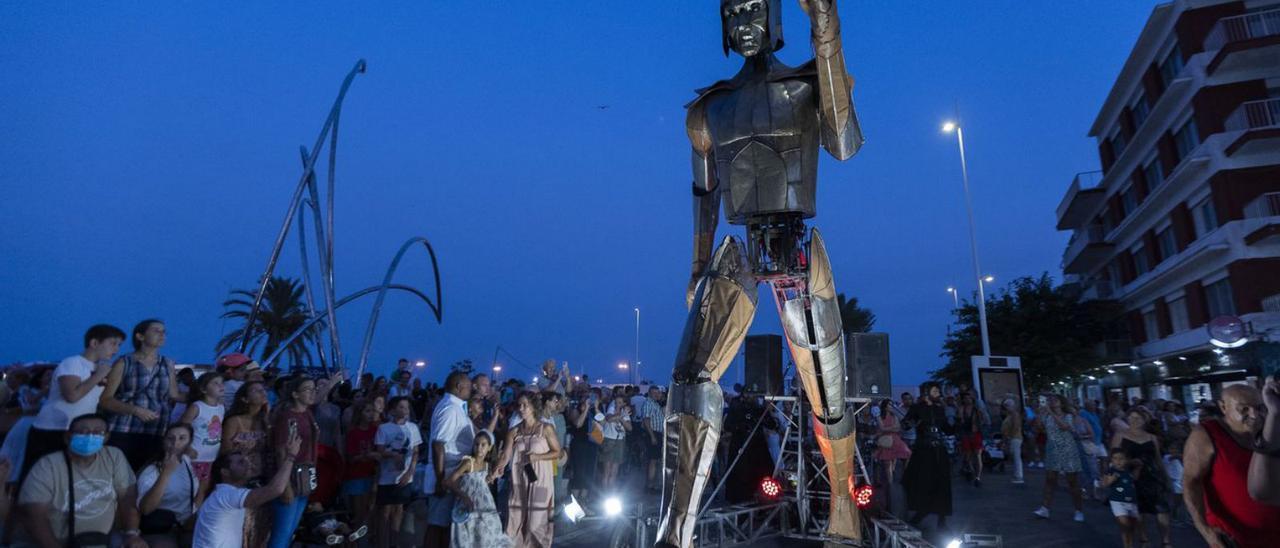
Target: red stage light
{"points": [[770, 488], [862, 496]]}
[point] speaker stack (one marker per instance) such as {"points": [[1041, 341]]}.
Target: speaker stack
{"points": [[867, 363], [763, 367]]}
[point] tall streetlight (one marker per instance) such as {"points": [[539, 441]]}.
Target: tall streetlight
{"points": [[637, 341], [497, 371], [626, 369], [955, 297], [973, 238]]}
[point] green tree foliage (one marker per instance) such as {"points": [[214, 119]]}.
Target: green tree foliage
{"points": [[282, 313], [1054, 333], [853, 318]]}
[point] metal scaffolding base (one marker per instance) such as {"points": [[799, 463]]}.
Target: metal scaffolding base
{"points": [[793, 517]]}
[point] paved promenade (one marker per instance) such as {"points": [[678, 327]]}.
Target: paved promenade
{"points": [[998, 507]]}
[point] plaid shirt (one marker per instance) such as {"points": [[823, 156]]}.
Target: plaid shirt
{"points": [[653, 413], [144, 388]]}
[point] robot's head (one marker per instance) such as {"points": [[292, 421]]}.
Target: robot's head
{"points": [[750, 27]]}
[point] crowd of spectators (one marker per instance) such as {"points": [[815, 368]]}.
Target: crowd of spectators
{"points": [[132, 450]]}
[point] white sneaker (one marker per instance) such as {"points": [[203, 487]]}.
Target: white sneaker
{"points": [[1079, 517], [1042, 513]]}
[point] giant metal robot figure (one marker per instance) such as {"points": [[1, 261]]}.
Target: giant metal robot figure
{"points": [[755, 147]]}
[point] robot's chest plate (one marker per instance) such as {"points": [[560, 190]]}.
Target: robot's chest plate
{"points": [[765, 136]]}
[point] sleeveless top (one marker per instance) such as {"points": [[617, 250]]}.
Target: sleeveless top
{"points": [[207, 428], [1227, 504], [147, 388]]}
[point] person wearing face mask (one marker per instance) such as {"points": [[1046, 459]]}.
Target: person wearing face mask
{"points": [[1215, 473], [77, 494]]}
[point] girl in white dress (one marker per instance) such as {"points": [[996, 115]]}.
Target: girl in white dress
{"points": [[481, 527]]}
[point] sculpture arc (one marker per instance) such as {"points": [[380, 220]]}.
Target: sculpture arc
{"points": [[320, 318], [386, 282], [294, 203]]}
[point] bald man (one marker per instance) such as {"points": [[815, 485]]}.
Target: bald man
{"points": [[1216, 467], [1264, 468]]}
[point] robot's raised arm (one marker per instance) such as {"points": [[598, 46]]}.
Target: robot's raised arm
{"points": [[841, 134], [706, 194]]}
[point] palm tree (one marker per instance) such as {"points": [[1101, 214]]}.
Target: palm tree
{"points": [[282, 313], [854, 318]]}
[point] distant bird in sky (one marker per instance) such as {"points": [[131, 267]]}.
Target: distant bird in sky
{"points": [[602, 107]]}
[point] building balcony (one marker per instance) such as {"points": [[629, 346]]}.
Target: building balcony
{"points": [[1087, 250], [1244, 41], [1097, 289], [1259, 125], [1083, 198]]}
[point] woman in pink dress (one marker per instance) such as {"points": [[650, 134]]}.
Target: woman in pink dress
{"points": [[889, 452], [531, 448]]}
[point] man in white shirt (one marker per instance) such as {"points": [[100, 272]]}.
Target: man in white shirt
{"points": [[220, 522], [77, 386], [401, 387], [451, 439]]}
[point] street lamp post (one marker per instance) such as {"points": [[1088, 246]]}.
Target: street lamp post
{"points": [[973, 239], [626, 368], [637, 357], [955, 297], [497, 372]]}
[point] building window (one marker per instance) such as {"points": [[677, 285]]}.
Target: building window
{"points": [[1186, 139], [1152, 325], [1153, 173], [1141, 264], [1218, 298], [1168, 244], [1118, 142], [1178, 315], [1114, 274], [1205, 217], [1128, 201], [1171, 66], [1139, 111]]}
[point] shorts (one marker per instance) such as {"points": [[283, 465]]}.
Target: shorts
{"points": [[357, 487], [652, 449], [202, 470], [971, 443], [1121, 509], [394, 494], [614, 451]]}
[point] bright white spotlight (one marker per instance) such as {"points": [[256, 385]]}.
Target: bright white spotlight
{"points": [[948, 128], [573, 511], [612, 506], [954, 543]]}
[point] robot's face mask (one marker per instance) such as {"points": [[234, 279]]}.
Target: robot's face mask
{"points": [[751, 26]]}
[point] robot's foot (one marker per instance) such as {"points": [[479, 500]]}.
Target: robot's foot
{"points": [[844, 520]]}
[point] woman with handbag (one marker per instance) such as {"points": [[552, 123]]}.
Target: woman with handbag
{"points": [[168, 492], [889, 445], [531, 447], [245, 433], [294, 419]]}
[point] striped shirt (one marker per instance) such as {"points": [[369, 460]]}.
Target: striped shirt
{"points": [[651, 411]]}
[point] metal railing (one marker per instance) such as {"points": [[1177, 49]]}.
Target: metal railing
{"points": [[1242, 27], [1266, 205], [1254, 115], [1271, 304]]}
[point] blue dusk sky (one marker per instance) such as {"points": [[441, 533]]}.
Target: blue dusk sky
{"points": [[148, 151]]}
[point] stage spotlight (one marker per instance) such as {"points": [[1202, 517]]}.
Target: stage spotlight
{"points": [[770, 488], [862, 496], [612, 506], [573, 511], [954, 543]]}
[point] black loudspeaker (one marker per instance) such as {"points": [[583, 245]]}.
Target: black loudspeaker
{"points": [[867, 365], [763, 371]]}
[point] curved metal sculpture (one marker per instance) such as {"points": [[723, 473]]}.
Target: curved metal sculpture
{"points": [[321, 318], [386, 283], [323, 220]]}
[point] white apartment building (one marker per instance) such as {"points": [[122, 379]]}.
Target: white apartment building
{"points": [[1182, 223]]}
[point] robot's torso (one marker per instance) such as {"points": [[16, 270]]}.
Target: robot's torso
{"points": [[765, 137]]}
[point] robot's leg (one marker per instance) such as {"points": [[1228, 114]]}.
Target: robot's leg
{"points": [[811, 320], [723, 307]]}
